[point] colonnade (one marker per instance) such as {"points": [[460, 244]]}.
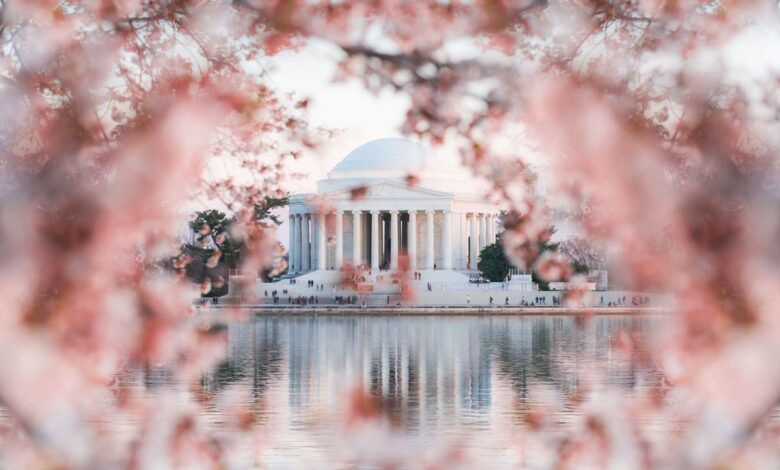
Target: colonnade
{"points": [[308, 239]]}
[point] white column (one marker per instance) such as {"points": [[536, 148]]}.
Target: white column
{"points": [[298, 242], [356, 235], [290, 246], [339, 261], [447, 242], [482, 231], [321, 228], [429, 253], [464, 237], [394, 240], [376, 232], [305, 246], [474, 241], [491, 231], [411, 239], [312, 242]]}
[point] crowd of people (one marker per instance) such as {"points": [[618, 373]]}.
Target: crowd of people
{"points": [[538, 301], [345, 299], [304, 300], [636, 301]]}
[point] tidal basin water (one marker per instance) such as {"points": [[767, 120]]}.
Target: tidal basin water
{"points": [[463, 385]]}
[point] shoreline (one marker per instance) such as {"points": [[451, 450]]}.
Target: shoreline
{"points": [[356, 311]]}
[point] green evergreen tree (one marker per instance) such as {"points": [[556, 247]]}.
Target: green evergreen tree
{"points": [[218, 234], [263, 210], [212, 226], [493, 263], [216, 220]]}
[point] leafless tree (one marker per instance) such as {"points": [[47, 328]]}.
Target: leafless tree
{"points": [[583, 253]]}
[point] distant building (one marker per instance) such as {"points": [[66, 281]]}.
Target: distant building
{"points": [[389, 199]]}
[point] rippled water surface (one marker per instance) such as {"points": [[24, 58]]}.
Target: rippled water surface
{"points": [[440, 383]]}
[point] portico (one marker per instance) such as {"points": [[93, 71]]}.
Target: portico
{"points": [[374, 219]]}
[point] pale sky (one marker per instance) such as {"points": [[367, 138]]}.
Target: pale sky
{"points": [[347, 107]]}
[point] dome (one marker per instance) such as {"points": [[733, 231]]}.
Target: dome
{"points": [[391, 156], [394, 159]]}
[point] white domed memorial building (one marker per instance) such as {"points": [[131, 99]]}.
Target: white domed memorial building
{"points": [[388, 199]]}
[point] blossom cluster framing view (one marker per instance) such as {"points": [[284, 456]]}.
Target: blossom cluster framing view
{"points": [[650, 126]]}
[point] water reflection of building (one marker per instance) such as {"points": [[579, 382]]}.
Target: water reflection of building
{"points": [[439, 377], [423, 368], [562, 351]]}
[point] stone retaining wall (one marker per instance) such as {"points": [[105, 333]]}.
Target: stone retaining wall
{"points": [[266, 310]]}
